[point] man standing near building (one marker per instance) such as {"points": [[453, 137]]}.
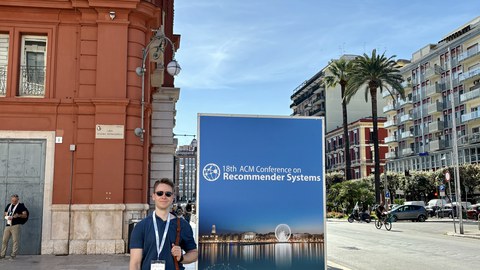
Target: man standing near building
{"points": [[155, 242], [14, 213]]}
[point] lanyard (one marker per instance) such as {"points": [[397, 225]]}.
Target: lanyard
{"points": [[10, 208], [159, 248]]}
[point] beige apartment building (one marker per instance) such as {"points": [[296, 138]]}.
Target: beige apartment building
{"points": [[442, 86]]}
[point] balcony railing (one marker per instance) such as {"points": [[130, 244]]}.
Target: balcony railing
{"points": [[3, 80], [390, 139], [389, 123], [402, 102], [32, 81], [436, 70], [406, 117], [469, 74], [435, 126], [436, 145], [469, 53], [389, 107], [433, 89], [435, 107], [407, 152], [407, 134], [470, 95], [391, 155], [470, 116]]}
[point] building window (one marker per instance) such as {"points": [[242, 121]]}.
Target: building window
{"points": [[33, 66], [4, 41]]}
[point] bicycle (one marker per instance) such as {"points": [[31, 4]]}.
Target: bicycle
{"points": [[386, 220]]}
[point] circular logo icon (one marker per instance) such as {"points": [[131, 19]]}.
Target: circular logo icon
{"points": [[283, 232], [211, 172]]}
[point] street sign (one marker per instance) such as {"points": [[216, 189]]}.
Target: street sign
{"points": [[447, 176], [387, 194], [442, 193], [441, 187]]}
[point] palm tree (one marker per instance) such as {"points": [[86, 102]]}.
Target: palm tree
{"points": [[339, 70], [373, 72]]}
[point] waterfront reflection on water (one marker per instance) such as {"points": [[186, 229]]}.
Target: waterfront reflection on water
{"points": [[262, 256]]}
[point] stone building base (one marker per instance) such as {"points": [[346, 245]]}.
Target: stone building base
{"points": [[94, 228]]}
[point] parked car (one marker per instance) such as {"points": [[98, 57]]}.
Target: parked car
{"points": [[433, 205], [421, 203], [409, 212], [450, 211], [474, 211]]}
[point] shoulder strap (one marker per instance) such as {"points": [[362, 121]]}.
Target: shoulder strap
{"points": [[177, 243]]}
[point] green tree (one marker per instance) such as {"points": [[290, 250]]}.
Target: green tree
{"points": [[374, 72], [339, 70]]}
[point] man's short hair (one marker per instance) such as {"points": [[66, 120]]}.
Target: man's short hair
{"points": [[163, 181], [14, 196]]}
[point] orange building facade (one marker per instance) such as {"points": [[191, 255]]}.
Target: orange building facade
{"points": [[70, 101]]}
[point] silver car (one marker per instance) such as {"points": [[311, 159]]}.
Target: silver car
{"points": [[408, 212]]}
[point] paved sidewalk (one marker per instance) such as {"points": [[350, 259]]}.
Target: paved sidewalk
{"points": [[80, 262]]}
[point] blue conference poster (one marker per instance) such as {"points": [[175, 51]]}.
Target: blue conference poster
{"points": [[261, 192]]}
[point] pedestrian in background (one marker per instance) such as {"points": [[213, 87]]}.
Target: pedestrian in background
{"points": [[15, 213]]}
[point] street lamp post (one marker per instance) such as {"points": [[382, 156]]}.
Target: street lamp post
{"points": [[158, 42], [455, 151]]}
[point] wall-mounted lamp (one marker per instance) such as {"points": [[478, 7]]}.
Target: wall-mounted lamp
{"points": [[158, 42], [112, 15]]}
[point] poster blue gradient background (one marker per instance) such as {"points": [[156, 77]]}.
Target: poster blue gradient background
{"points": [[259, 206]]}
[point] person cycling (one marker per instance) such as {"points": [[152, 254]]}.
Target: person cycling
{"points": [[380, 211]]}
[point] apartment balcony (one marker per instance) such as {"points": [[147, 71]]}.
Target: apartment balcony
{"points": [[402, 102], [385, 93], [435, 107], [435, 126], [433, 71], [407, 135], [32, 81], [391, 155], [470, 116], [318, 99], [407, 85], [390, 139], [456, 100], [469, 74], [436, 145], [407, 152], [468, 54], [470, 95], [319, 89], [449, 124], [389, 107], [406, 117], [433, 89], [389, 123]]}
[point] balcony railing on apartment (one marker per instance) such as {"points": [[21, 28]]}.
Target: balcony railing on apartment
{"points": [[406, 135], [32, 81], [402, 102], [407, 152], [469, 53], [436, 145], [389, 123], [390, 139], [389, 107], [435, 107], [431, 71], [435, 126], [469, 74], [391, 155], [433, 89], [406, 117], [470, 116], [470, 95], [3, 80]]}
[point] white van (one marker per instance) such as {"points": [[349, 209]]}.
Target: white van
{"points": [[436, 203], [420, 203]]}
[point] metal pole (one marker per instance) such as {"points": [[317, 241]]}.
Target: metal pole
{"points": [[453, 216], [455, 150], [386, 185]]}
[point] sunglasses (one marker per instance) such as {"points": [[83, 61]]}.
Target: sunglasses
{"points": [[167, 193]]}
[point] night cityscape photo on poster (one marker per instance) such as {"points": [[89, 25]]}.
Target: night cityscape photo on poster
{"points": [[261, 192]]}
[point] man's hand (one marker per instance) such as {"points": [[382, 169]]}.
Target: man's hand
{"points": [[176, 252]]}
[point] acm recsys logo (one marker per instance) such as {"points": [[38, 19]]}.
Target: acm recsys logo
{"points": [[211, 172]]}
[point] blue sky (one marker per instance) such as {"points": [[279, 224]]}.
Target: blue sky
{"points": [[247, 57]]}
